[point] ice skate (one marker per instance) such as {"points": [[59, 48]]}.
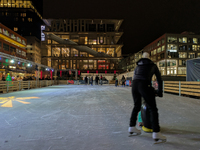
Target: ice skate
{"points": [[133, 131], [158, 138]]}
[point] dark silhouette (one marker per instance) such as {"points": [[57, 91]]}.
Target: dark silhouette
{"points": [[86, 80], [123, 81], [142, 87]]}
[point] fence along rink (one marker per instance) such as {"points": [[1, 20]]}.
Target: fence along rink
{"points": [[9, 86], [191, 88]]}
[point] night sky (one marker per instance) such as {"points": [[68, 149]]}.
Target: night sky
{"points": [[144, 20]]}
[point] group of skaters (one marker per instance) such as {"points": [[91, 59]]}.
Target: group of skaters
{"points": [[100, 80], [97, 80], [123, 80]]}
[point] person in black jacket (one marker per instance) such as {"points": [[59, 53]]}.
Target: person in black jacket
{"points": [[91, 80], [86, 80], [142, 87], [96, 80], [3, 78], [123, 81]]}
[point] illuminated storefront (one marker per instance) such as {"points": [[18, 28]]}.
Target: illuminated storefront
{"points": [[82, 44], [13, 58]]}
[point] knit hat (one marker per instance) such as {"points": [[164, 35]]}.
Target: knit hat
{"points": [[145, 55]]}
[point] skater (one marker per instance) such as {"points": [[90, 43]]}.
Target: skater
{"points": [[91, 80], [86, 80], [116, 82], [142, 87], [123, 81], [140, 123], [101, 80], [97, 80]]}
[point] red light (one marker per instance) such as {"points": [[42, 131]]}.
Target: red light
{"points": [[51, 74], [114, 71], [79, 72], [105, 72], [70, 72], [88, 71], [60, 73], [96, 71]]}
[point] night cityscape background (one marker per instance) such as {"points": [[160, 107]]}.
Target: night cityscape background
{"points": [[144, 21], [99, 37], [71, 73]]}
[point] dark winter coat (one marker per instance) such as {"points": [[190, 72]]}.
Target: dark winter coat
{"points": [[145, 70]]}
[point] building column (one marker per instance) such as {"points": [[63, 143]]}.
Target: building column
{"points": [[51, 50], [55, 74]]}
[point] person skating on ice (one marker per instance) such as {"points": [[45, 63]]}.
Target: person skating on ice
{"points": [[123, 81], [142, 87]]}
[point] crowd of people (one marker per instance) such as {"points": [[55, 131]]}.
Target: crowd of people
{"points": [[97, 80], [25, 78]]}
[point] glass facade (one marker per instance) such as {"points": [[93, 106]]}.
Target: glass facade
{"points": [[171, 55], [12, 43], [102, 52]]}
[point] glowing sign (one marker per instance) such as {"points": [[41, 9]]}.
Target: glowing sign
{"points": [[172, 50], [42, 34], [8, 101]]}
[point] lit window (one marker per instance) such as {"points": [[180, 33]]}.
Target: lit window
{"points": [[195, 40], [172, 39], [15, 29], [191, 55], [163, 47], [13, 36], [30, 19], [159, 50], [183, 40], [182, 55], [154, 52], [19, 39]]}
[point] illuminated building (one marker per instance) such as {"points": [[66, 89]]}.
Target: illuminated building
{"points": [[22, 16], [11, 44], [171, 51], [33, 49], [127, 63], [83, 44]]}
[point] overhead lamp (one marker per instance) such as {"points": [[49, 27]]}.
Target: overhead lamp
{"points": [[12, 61], [28, 65], [18, 62]]}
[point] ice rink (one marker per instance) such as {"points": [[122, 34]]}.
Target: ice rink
{"points": [[80, 117]]}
